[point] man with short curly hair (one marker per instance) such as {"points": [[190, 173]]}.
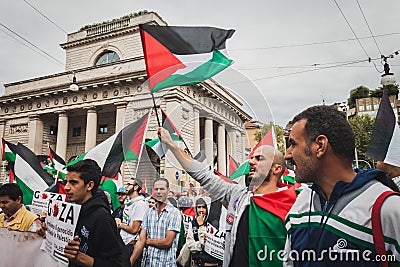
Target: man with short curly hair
{"points": [[334, 214]]}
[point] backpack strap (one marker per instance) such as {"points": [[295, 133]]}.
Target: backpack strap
{"points": [[377, 232]]}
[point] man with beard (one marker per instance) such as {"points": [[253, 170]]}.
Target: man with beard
{"points": [[256, 214], [130, 225], [330, 223], [160, 230]]}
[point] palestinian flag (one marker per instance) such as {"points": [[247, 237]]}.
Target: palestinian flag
{"points": [[269, 139], [144, 186], [288, 176], [123, 146], [243, 169], [29, 173], [232, 165], [223, 177], [385, 140], [183, 55], [158, 147], [57, 165], [111, 185], [7, 151], [267, 224]]}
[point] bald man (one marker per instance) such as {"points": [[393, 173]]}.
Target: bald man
{"points": [[256, 213]]}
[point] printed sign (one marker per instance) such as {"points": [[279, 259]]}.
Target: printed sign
{"points": [[187, 220], [215, 242], [61, 222], [40, 201]]}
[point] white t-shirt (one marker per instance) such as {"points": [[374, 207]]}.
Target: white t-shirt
{"points": [[134, 210]]}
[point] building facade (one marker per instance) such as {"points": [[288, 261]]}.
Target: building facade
{"points": [[108, 65]]}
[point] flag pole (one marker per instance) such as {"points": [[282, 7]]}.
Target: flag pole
{"points": [[155, 109]]}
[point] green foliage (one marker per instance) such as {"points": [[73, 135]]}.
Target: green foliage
{"points": [[362, 127], [131, 15], [391, 89], [258, 135], [357, 93]]}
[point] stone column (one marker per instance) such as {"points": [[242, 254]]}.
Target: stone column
{"points": [[221, 156], [208, 140], [196, 133], [91, 129], [2, 128], [62, 135], [35, 141], [232, 149], [120, 116]]}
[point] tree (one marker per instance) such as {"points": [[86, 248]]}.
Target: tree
{"points": [[357, 93], [362, 127], [391, 89], [258, 135]]}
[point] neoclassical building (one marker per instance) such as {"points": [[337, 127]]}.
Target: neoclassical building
{"points": [[107, 62]]}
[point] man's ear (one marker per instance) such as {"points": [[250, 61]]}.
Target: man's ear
{"points": [[19, 199], [277, 169], [322, 143], [90, 185]]}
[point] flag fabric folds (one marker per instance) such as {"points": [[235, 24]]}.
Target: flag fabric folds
{"points": [[385, 141], [159, 148], [232, 165], [57, 165], [7, 149], [29, 173], [183, 55], [122, 146]]}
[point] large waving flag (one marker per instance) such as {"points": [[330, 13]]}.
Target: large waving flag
{"points": [[159, 148], [385, 141], [244, 168], [183, 55], [29, 173], [122, 146]]}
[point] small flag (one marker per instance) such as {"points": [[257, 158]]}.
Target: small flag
{"points": [[268, 139], [159, 148], [232, 165], [7, 151], [144, 186], [243, 169], [183, 55], [57, 165], [385, 141]]}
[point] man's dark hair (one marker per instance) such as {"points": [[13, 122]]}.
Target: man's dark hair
{"points": [[139, 188], [161, 179], [88, 170], [12, 191], [328, 121]]}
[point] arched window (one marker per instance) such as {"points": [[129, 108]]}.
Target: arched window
{"points": [[107, 57]]}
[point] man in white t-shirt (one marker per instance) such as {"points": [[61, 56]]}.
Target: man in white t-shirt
{"points": [[133, 214]]}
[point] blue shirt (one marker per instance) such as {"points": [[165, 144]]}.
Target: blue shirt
{"points": [[156, 228]]}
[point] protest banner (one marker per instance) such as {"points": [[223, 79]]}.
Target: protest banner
{"points": [[61, 222], [40, 201], [187, 220], [22, 249], [215, 242]]}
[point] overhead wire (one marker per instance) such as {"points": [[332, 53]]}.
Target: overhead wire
{"points": [[313, 43], [33, 45], [43, 15], [355, 35]]}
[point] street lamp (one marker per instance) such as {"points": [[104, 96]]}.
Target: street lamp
{"points": [[74, 87], [387, 77]]}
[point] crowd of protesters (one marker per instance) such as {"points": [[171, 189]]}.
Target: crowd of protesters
{"points": [[258, 218]]}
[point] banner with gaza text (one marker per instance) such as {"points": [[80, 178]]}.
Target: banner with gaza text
{"points": [[61, 221]]}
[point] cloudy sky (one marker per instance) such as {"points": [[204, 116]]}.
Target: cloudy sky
{"points": [[288, 54]]}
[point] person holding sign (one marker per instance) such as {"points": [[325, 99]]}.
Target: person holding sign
{"points": [[15, 216], [97, 241], [256, 213], [196, 235]]}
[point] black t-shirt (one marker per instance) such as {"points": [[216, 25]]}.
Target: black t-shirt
{"points": [[240, 255]]}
